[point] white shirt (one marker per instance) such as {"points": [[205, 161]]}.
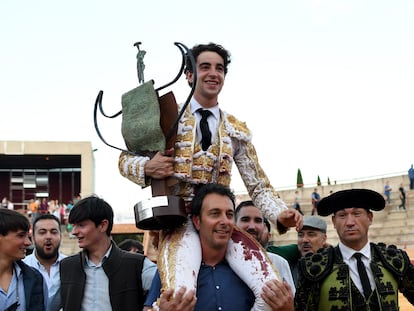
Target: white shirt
{"points": [[347, 255], [213, 120], [282, 266], [52, 280], [16, 287]]}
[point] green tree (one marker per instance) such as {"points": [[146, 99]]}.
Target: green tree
{"points": [[319, 181], [299, 180]]}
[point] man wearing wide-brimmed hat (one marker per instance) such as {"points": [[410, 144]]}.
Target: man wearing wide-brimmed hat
{"points": [[356, 274]]}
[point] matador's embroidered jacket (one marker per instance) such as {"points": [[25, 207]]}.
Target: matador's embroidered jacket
{"points": [[325, 283], [194, 166]]}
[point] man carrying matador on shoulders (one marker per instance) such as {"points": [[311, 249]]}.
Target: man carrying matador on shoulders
{"points": [[208, 141]]}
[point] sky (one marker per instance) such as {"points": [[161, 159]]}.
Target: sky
{"points": [[325, 86]]}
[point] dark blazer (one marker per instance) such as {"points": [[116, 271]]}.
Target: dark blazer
{"points": [[33, 288]]}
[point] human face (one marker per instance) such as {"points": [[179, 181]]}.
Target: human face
{"points": [[250, 219], [352, 226], [210, 78], [90, 236], [310, 240], [215, 222], [47, 237], [13, 245]]}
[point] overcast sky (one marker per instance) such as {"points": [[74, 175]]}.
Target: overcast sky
{"points": [[325, 86]]}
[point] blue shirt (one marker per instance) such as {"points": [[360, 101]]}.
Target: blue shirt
{"points": [[15, 291], [51, 279], [218, 288]]}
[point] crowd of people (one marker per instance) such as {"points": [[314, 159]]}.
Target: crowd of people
{"points": [[222, 250], [105, 276]]}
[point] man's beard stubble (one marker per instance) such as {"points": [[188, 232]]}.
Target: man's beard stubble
{"points": [[43, 255]]}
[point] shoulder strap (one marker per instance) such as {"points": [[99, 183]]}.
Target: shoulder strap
{"points": [[317, 266], [395, 260], [236, 128]]}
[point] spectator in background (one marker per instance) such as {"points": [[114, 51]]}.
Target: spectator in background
{"points": [[387, 192], [4, 202], [296, 202], [402, 197], [34, 207], [22, 287], [311, 238], [411, 177], [44, 207], [62, 212], [132, 246], [46, 256], [315, 201]]}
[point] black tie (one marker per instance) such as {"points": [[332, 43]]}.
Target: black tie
{"points": [[205, 130], [366, 286]]}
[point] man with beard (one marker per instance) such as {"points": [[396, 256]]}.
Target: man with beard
{"points": [[250, 219], [46, 257]]}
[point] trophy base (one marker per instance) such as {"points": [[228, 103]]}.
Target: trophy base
{"points": [[160, 212]]}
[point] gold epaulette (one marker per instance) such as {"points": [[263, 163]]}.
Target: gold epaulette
{"points": [[237, 128]]}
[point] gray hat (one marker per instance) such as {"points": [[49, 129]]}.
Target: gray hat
{"points": [[314, 222]]}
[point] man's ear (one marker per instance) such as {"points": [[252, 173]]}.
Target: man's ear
{"points": [[104, 223], [189, 76], [196, 222]]}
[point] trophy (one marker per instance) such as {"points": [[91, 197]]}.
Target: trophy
{"points": [[149, 125]]}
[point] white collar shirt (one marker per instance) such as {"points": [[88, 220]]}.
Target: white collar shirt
{"points": [[347, 255], [213, 121], [52, 280]]}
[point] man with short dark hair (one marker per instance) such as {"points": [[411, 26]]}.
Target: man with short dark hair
{"points": [[356, 274], [21, 286], [46, 257], [132, 246], [212, 213], [209, 142], [250, 219], [102, 276]]}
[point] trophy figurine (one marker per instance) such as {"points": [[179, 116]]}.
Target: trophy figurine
{"points": [[149, 125]]}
